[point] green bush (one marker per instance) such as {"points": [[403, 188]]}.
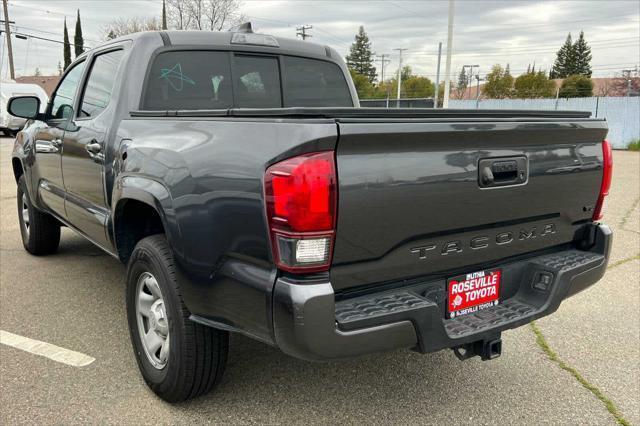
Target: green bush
{"points": [[634, 145]]}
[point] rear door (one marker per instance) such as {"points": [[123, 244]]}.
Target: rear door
{"points": [[415, 197], [84, 146]]}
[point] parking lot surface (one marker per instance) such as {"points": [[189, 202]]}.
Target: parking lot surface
{"points": [[579, 366]]}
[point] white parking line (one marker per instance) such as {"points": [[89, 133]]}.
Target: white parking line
{"points": [[47, 350]]}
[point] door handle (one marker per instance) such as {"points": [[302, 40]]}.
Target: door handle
{"points": [[93, 147], [503, 171]]}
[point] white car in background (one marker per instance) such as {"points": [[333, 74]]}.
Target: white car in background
{"points": [[9, 124]]}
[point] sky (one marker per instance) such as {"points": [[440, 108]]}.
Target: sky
{"points": [[485, 32]]}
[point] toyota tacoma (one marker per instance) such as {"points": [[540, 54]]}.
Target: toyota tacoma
{"points": [[237, 178]]}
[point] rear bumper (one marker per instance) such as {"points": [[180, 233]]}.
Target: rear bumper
{"points": [[309, 324]]}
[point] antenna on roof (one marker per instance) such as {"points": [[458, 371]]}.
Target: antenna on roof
{"points": [[245, 27]]}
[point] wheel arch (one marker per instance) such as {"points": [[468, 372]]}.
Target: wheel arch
{"points": [[140, 207]]}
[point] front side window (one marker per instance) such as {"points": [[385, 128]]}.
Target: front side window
{"points": [[62, 104], [100, 83]]}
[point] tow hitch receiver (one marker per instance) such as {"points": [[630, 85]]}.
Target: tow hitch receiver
{"points": [[486, 349]]}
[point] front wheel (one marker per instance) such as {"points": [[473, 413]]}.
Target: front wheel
{"points": [[178, 358], [40, 231]]}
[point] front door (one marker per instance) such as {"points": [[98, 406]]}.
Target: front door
{"points": [[84, 150], [48, 138]]}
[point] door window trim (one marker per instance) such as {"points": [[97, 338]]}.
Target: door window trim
{"points": [[48, 112], [85, 83]]}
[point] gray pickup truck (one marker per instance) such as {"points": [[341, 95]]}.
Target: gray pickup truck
{"points": [[237, 178]]}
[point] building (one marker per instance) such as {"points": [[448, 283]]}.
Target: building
{"points": [[47, 82]]}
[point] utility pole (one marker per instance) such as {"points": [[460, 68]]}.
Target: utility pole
{"points": [[302, 31], [400, 50], [7, 30], [627, 75], [447, 72], [478, 88], [383, 61], [470, 75], [435, 98]]}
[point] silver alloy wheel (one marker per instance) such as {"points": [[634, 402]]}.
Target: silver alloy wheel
{"points": [[25, 214], [153, 325]]}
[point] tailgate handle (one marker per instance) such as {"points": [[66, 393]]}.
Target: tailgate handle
{"points": [[502, 171]]}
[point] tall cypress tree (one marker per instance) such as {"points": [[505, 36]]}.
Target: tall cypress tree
{"points": [[582, 53], [565, 57], [164, 15], [360, 57], [78, 41], [67, 46]]}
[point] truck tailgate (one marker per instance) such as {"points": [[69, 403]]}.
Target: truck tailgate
{"points": [[415, 198]]}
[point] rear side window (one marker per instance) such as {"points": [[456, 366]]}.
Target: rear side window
{"points": [[189, 80], [196, 80], [314, 83], [100, 83]]}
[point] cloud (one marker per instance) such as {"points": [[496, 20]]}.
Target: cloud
{"points": [[486, 32]]}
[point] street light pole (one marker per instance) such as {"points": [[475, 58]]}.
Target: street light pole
{"points": [[400, 50], [447, 76], [435, 97]]}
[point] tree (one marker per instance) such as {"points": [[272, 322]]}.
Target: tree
{"points": [[37, 72], [121, 26], [417, 87], [164, 15], [67, 46], [406, 72], [363, 86], [534, 85], [582, 56], [463, 84], [576, 86], [59, 68], [565, 59], [360, 57], [498, 84], [211, 15], [78, 41]]}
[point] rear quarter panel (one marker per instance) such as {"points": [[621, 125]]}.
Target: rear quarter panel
{"points": [[213, 170]]}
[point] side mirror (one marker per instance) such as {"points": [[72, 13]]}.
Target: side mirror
{"points": [[24, 107]]}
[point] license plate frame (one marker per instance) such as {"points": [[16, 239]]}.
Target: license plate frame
{"points": [[473, 292]]}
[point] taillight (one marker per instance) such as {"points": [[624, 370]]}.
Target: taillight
{"points": [[607, 172], [301, 196]]}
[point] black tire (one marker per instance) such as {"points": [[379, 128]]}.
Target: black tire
{"points": [[41, 235], [197, 354]]}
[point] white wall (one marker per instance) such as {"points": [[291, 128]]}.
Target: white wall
{"points": [[622, 113]]}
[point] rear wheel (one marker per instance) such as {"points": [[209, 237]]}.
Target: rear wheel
{"points": [[40, 231], [178, 358]]}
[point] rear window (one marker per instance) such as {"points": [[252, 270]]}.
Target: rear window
{"points": [[193, 80], [314, 83]]}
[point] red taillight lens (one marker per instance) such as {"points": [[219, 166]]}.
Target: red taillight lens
{"points": [[607, 174], [301, 195]]}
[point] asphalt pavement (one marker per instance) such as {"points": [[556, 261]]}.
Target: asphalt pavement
{"points": [[578, 366]]}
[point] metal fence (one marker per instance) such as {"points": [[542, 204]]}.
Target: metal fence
{"points": [[622, 113]]}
